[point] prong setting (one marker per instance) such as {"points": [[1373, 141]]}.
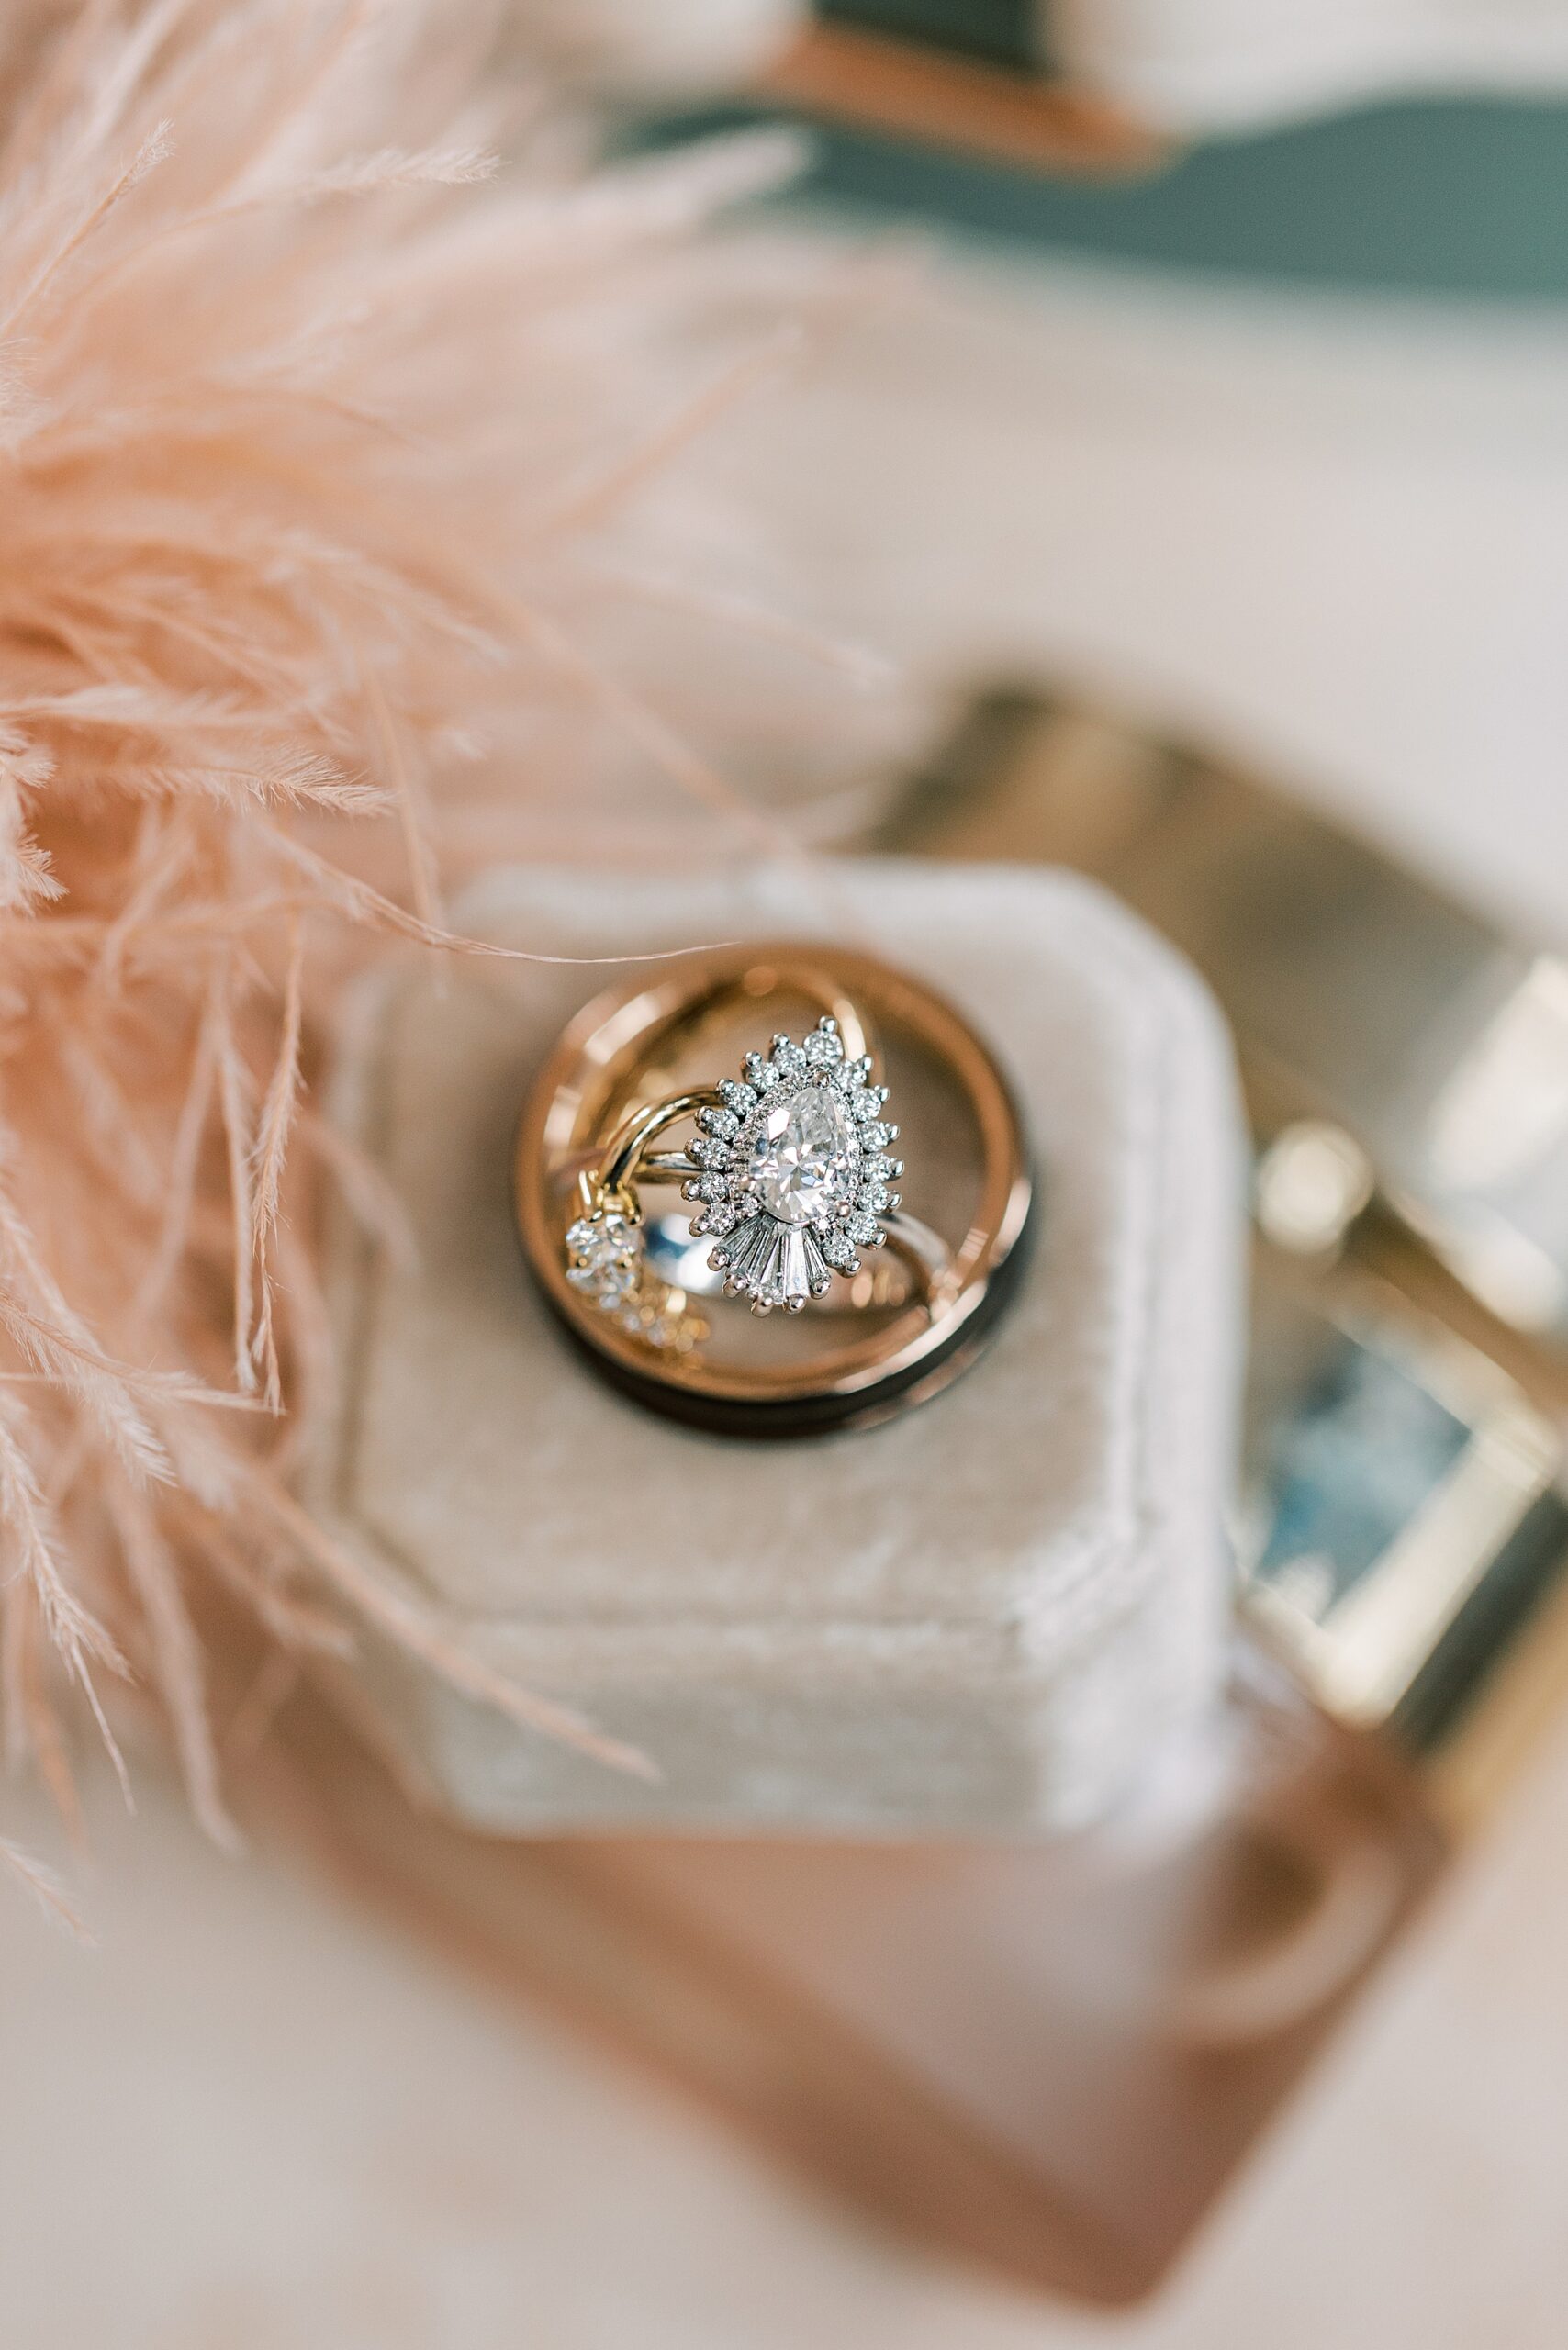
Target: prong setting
{"points": [[795, 1174], [606, 1263]]}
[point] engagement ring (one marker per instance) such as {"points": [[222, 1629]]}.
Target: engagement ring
{"points": [[787, 1179]]}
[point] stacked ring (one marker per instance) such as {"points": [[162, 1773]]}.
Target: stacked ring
{"points": [[787, 1173]]}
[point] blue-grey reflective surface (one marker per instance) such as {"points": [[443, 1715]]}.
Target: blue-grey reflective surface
{"points": [[1363, 1452]]}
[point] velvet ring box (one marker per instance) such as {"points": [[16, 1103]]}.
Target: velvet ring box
{"points": [[980, 1618]]}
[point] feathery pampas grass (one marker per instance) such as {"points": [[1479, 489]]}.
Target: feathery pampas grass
{"points": [[302, 412]]}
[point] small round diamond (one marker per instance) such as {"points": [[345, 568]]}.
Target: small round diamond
{"points": [[605, 1254]]}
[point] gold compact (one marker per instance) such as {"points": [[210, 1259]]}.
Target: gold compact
{"points": [[1403, 1525], [717, 1135]]}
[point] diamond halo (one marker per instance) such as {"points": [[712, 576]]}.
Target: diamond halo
{"points": [[795, 1170]]}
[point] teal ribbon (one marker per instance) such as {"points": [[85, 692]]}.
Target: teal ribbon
{"points": [[1448, 197], [1002, 31]]}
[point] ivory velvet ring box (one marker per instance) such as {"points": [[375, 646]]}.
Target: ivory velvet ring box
{"points": [[982, 1617]]}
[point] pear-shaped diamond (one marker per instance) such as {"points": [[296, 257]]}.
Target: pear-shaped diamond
{"points": [[803, 1160]]}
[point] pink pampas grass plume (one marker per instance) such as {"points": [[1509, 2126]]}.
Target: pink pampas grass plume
{"points": [[303, 410]]}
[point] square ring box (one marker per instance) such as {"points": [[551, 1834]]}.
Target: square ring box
{"points": [[982, 1617]]}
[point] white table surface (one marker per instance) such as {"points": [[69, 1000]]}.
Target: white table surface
{"points": [[251, 2120]]}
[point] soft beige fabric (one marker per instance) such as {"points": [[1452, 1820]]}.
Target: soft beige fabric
{"points": [[979, 1616]]}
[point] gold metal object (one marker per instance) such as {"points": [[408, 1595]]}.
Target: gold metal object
{"points": [[1407, 1072], [913, 91], [610, 1192], [621, 1071], [1401, 1521], [1363, 998]]}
